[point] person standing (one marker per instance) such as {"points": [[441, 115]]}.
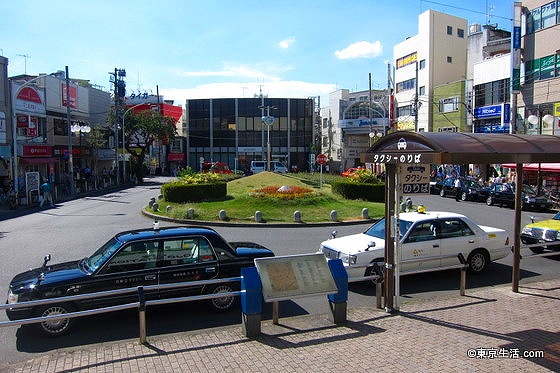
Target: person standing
{"points": [[458, 191], [47, 195]]}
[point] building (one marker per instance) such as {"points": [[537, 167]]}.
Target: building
{"points": [[44, 145], [538, 101], [434, 57], [232, 130], [5, 135], [351, 123]]}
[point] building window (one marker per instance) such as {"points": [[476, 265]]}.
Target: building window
{"points": [[449, 30], [406, 85], [422, 64], [449, 59], [404, 111], [422, 91], [548, 14], [460, 33], [448, 105]]}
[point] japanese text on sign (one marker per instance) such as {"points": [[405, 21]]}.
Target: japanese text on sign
{"points": [[397, 158]]}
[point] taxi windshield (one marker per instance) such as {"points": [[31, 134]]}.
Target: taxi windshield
{"points": [[378, 229], [96, 260]]}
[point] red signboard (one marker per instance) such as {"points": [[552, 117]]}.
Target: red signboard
{"points": [[73, 95], [322, 159], [37, 151]]}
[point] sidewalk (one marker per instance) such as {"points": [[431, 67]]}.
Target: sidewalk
{"points": [[490, 329]]}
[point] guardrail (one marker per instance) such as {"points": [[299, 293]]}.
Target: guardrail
{"points": [[544, 254], [141, 304]]}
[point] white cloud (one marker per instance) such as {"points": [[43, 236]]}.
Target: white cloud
{"points": [[360, 49], [230, 70], [286, 43], [276, 89]]}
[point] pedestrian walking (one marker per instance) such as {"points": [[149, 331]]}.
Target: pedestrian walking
{"points": [[46, 191], [458, 191]]}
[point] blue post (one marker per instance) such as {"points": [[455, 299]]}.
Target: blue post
{"points": [[338, 302], [251, 301]]}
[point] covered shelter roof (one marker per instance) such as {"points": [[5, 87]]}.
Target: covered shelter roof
{"points": [[460, 148], [405, 147]]}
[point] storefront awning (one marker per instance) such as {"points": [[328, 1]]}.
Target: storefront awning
{"points": [[544, 167], [30, 160]]}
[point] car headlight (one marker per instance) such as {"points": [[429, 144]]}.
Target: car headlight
{"points": [[12, 298], [349, 259], [527, 230]]}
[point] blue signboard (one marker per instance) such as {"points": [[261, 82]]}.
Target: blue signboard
{"points": [[488, 112]]}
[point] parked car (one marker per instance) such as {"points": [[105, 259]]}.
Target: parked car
{"points": [[131, 259], [545, 232], [504, 194], [216, 167], [470, 189], [435, 235], [351, 171], [275, 166], [435, 186]]}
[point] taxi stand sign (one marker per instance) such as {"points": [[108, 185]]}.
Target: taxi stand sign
{"points": [[414, 179]]}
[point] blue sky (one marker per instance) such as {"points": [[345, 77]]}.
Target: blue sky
{"points": [[222, 48]]}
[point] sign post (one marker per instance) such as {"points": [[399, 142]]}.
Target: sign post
{"points": [[321, 159]]}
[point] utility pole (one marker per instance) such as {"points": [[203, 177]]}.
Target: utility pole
{"points": [[69, 120]]}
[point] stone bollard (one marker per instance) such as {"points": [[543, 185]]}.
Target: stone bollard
{"points": [[222, 215], [168, 209], [334, 215], [190, 213], [365, 213], [152, 201], [258, 217], [155, 207], [297, 216]]}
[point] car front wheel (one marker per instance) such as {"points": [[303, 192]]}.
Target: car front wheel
{"points": [[464, 196], [55, 328], [225, 303], [442, 192], [489, 201], [478, 261]]}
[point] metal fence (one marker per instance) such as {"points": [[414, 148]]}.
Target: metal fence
{"points": [[141, 304]]}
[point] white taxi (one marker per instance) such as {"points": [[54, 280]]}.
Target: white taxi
{"points": [[428, 240]]}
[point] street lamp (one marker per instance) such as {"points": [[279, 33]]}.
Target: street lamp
{"points": [[123, 139], [14, 124], [79, 129], [268, 120]]}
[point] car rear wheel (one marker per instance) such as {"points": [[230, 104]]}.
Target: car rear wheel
{"points": [[225, 303], [442, 192], [464, 196], [478, 261], [55, 328], [489, 201]]}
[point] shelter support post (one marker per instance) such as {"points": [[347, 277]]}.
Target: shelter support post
{"points": [[517, 228], [390, 187]]}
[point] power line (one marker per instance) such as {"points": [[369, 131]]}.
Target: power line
{"points": [[466, 10]]}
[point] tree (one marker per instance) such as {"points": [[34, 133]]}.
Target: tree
{"points": [[97, 139], [141, 130]]}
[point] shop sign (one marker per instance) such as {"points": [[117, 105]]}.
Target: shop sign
{"points": [[72, 94], [37, 151], [29, 99], [488, 112]]}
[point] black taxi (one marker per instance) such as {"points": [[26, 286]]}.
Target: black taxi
{"points": [[131, 259]]}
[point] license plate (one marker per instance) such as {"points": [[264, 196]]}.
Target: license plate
{"points": [[330, 254]]}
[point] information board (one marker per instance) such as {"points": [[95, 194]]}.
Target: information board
{"points": [[293, 276]]}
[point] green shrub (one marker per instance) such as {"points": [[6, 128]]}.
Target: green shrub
{"points": [[352, 190], [180, 192]]}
